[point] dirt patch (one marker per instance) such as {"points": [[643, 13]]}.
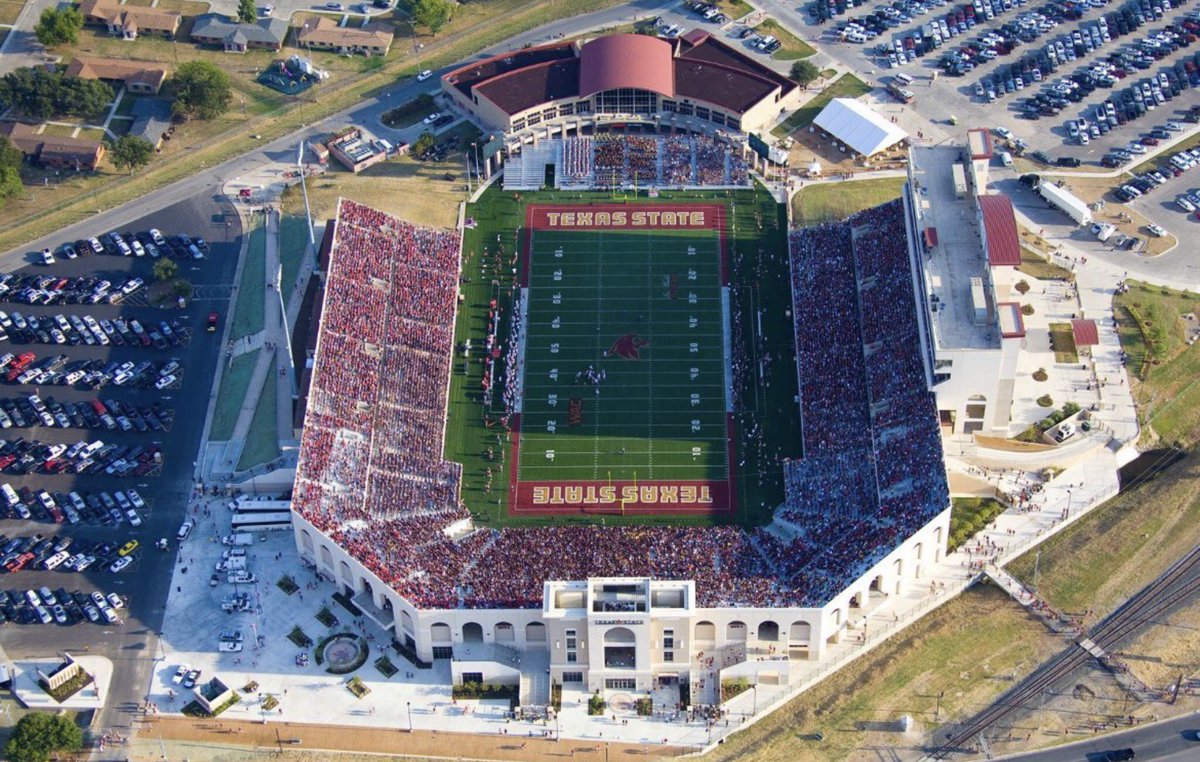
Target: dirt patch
{"points": [[390, 741]]}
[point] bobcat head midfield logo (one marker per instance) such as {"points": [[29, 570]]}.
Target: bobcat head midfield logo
{"points": [[628, 347]]}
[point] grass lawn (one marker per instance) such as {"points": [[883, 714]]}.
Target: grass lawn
{"points": [[1122, 545], [248, 314], [201, 144], [1164, 367], [1037, 266], [413, 190], [9, 10], [1062, 339], [293, 242], [772, 407], [234, 383], [838, 200], [734, 9], [58, 130], [408, 114], [792, 48], [845, 86], [262, 440], [966, 651], [186, 7]]}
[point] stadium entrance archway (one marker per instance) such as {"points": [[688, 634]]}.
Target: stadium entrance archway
{"points": [[706, 632], [876, 590], [856, 601], [535, 632], [504, 633], [620, 648], [472, 632], [306, 540], [768, 632], [736, 632], [799, 635], [898, 573], [836, 617], [347, 578]]}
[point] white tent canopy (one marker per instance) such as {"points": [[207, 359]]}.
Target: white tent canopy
{"points": [[858, 126]]}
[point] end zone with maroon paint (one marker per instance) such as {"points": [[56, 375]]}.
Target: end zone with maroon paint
{"points": [[624, 378]]}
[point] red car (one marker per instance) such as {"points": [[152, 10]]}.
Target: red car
{"points": [[212, 322]]}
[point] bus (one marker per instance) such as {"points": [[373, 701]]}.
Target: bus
{"points": [[261, 522]]}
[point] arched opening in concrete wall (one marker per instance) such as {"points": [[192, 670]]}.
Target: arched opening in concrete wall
{"points": [[504, 633], [472, 632], [877, 585], [898, 574], [365, 587], [306, 540], [856, 601], [768, 631], [706, 632], [326, 558], [620, 648], [535, 632], [799, 633], [938, 544], [836, 617], [406, 621], [736, 632], [439, 632]]}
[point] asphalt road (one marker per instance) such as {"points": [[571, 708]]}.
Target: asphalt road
{"points": [[133, 645], [20, 47], [1174, 740]]}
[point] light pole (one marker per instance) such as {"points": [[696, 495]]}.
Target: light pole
{"points": [[408, 704], [937, 712]]}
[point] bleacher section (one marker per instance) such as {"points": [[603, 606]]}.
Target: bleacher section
{"points": [[612, 160], [873, 466]]}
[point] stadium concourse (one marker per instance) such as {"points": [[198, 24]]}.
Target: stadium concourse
{"points": [[378, 509]]}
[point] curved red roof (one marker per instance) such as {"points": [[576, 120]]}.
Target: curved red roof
{"points": [[627, 60]]}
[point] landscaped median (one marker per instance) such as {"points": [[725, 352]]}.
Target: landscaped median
{"points": [[487, 24]]}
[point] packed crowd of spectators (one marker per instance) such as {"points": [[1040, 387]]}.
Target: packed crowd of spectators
{"points": [[372, 441], [677, 166], [872, 448], [372, 477], [675, 160]]}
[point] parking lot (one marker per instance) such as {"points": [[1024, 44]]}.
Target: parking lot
{"points": [[1122, 67], [132, 403]]}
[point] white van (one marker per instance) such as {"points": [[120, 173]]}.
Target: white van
{"points": [[10, 494], [903, 79], [1006, 158], [56, 560]]}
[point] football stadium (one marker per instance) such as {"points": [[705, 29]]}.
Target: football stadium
{"points": [[618, 437]]}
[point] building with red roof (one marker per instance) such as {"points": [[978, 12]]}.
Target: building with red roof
{"points": [[630, 82]]}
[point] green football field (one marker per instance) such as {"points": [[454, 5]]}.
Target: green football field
{"points": [[642, 314]]}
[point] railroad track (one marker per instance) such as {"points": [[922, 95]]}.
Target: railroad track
{"points": [[1178, 582]]}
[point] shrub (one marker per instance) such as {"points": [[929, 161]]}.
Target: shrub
{"points": [[511, 693], [287, 585], [39, 734], [269, 702], [1027, 309], [1045, 401], [1040, 374], [1022, 287], [596, 704], [385, 666], [422, 102], [733, 687], [326, 617], [67, 689], [299, 637], [556, 696], [644, 707], [357, 687]]}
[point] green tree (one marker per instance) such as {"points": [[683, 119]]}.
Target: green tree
{"points": [[201, 90], [431, 14], [165, 269], [10, 182], [42, 94], [423, 143], [247, 13], [804, 73], [59, 27], [10, 169], [39, 734], [130, 152]]}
